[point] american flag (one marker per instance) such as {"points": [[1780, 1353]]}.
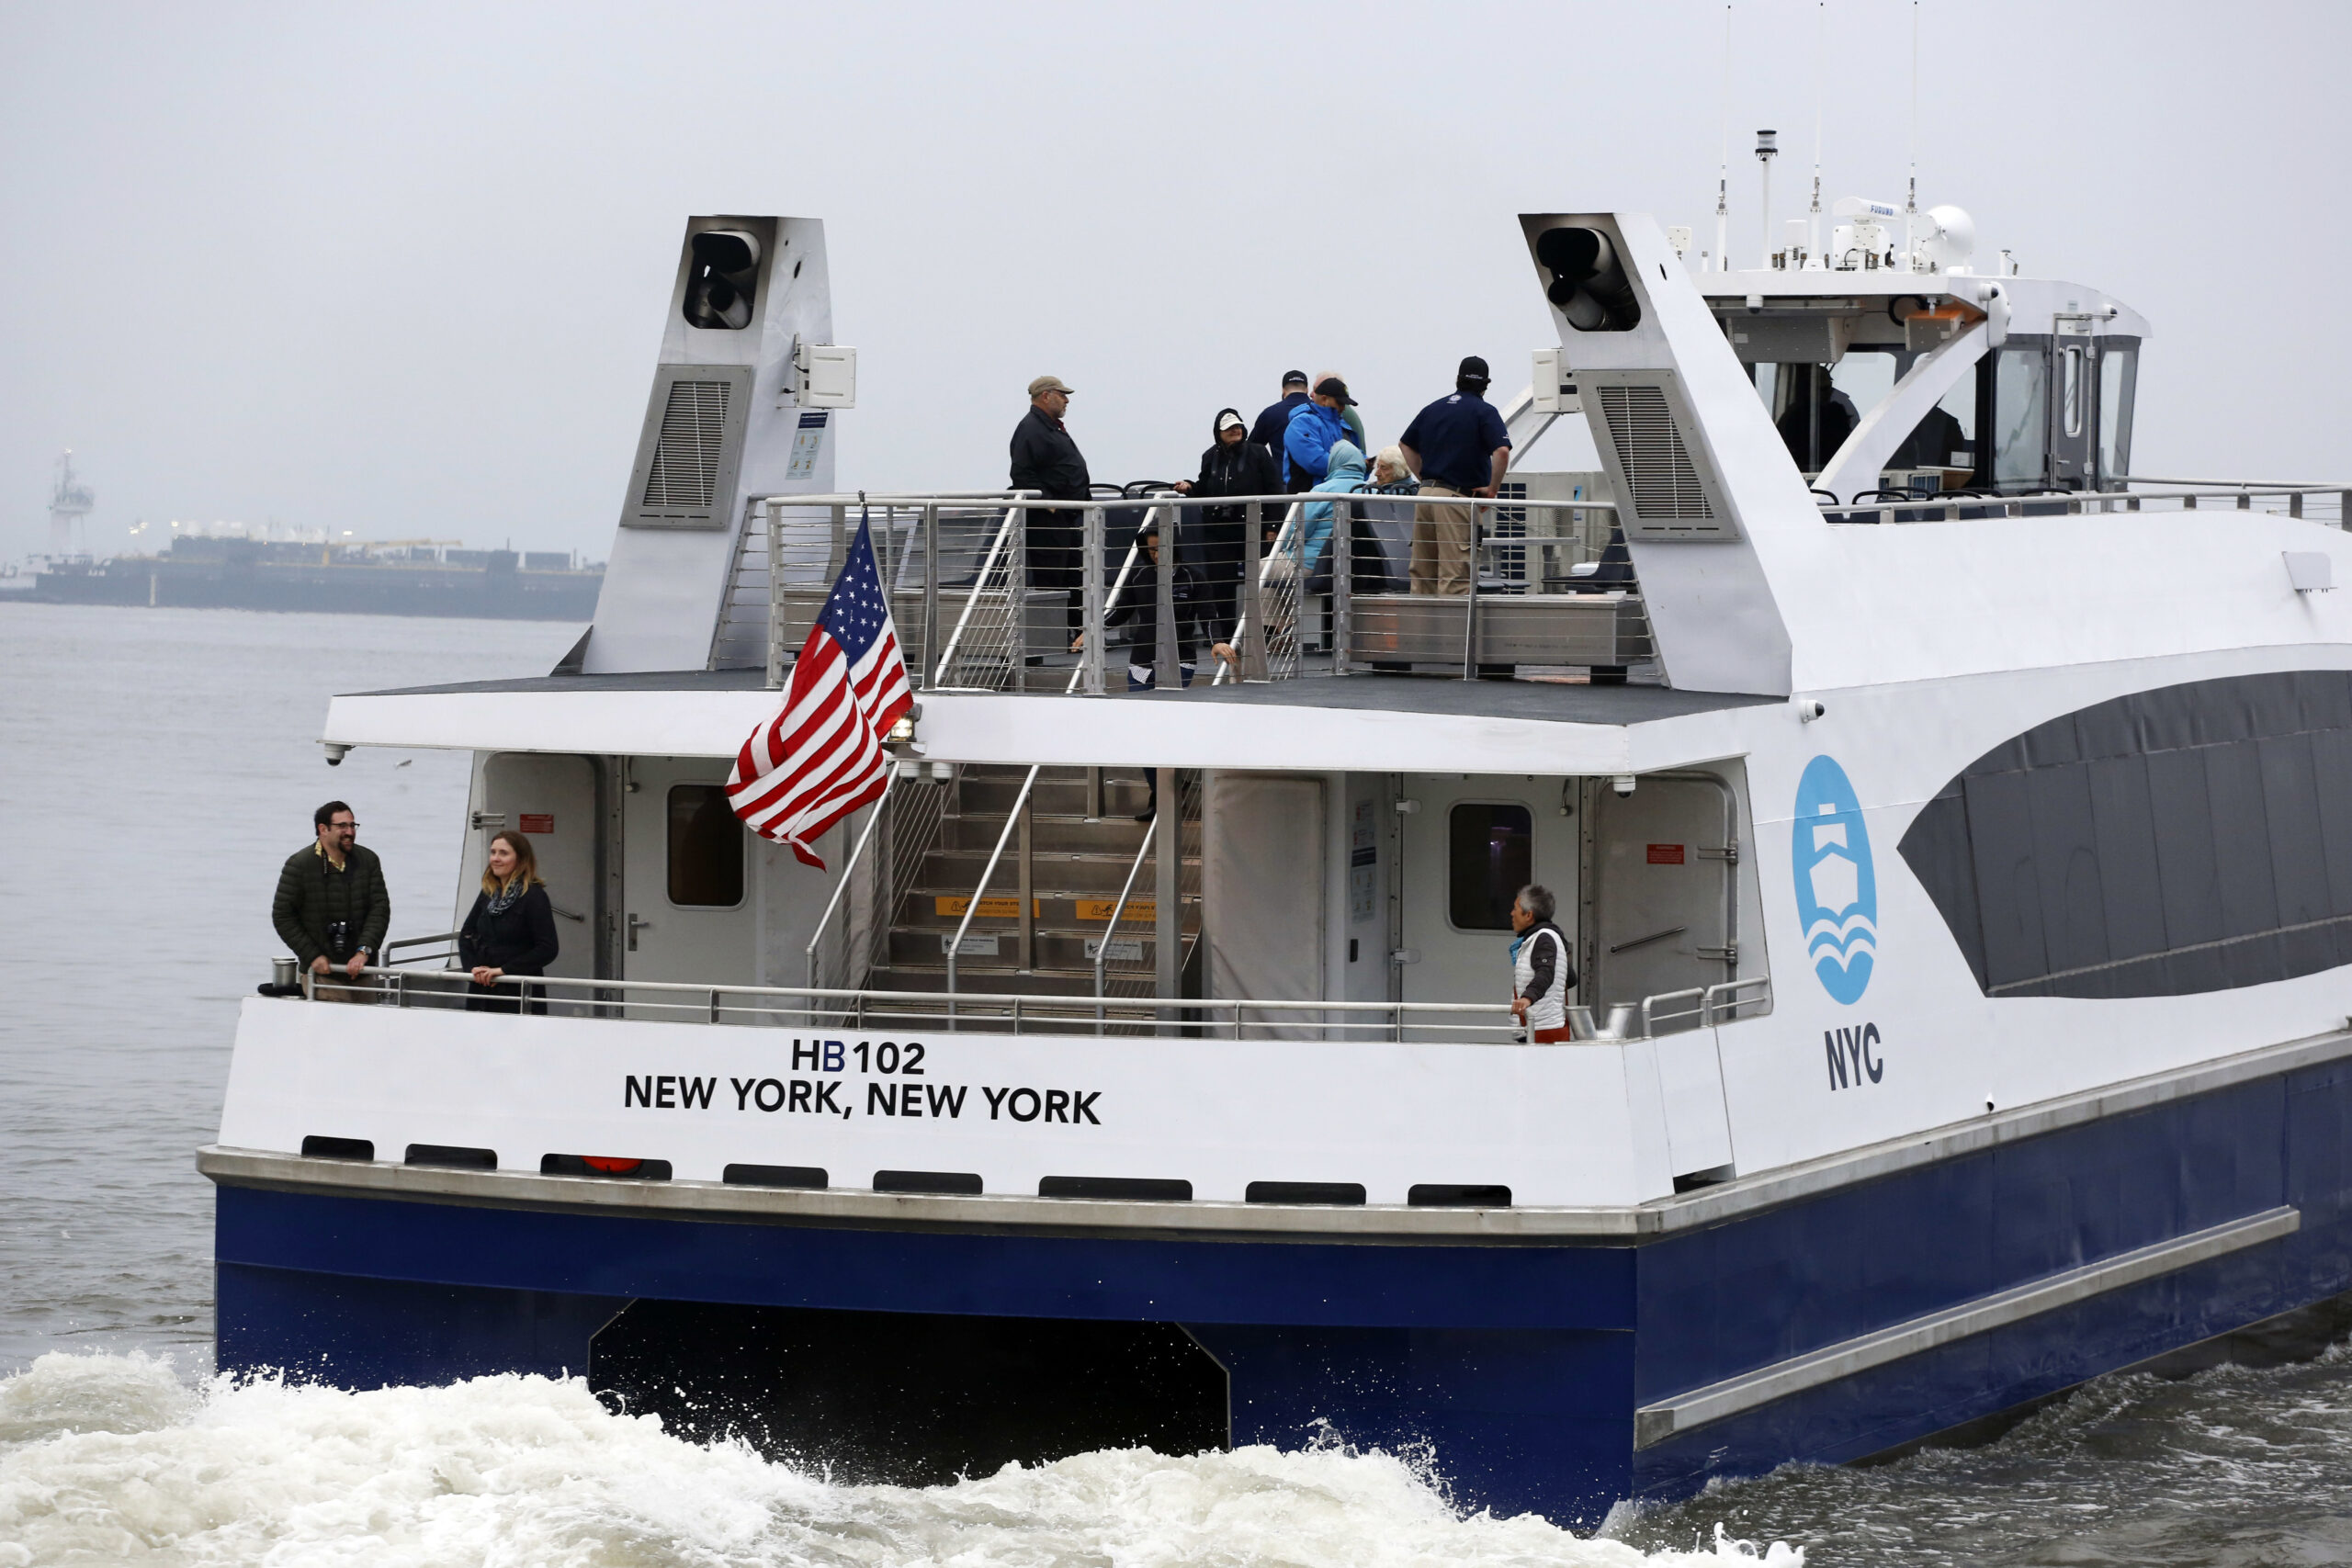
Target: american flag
{"points": [[821, 758]]}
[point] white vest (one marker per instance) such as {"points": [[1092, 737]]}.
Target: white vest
{"points": [[1549, 1010]]}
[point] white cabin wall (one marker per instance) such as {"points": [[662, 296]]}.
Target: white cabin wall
{"points": [[787, 899]]}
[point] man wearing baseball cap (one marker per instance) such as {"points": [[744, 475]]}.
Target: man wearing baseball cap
{"points": [[1456, 447], [1316, 427], [1274, 419], [1047, 460]]}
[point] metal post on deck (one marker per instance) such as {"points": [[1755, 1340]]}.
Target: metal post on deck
{"points": [[1254, 606], [775, 596], [2295, 504], [1168, 864], [1470, 605], [930, 592], [1016, 597], [1343, 573], [1167, 673], [1091, 621], [2344, 509]]}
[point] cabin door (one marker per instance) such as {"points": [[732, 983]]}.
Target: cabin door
{"points": [[1469, 845], [686, 909], [1662, 890], [550, 800], [2073, 404]]}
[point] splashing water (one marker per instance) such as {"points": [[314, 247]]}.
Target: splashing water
{"points": [[110, 1458]]}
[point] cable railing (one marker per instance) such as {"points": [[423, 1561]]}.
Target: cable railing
{"points": [[2330, 504], [1288, 585], [1218, 1018]]}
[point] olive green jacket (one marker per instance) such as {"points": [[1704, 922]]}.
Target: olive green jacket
{"points": [[313, 895]]}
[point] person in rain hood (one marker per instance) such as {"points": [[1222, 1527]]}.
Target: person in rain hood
{"points": [[1234, 465], [1344, 476]]}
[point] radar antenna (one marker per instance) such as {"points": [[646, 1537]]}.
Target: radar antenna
{"points": [[1911, 202], [1723, 173], [1820, 91], [69, 502]]}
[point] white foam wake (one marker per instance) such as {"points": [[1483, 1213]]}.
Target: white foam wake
{"points": [[110, 1459]]}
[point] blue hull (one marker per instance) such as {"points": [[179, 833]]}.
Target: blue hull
{"points": [[1522, 1364]]}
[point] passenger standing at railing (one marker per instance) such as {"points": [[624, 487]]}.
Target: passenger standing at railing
{"points": [[1234, 465], [1345, 476], [1139, 609], [1542, 975], [510, 930], [1273, 419], [1458, 445], [1047, 460], [1316, 427], [331, 907], [1348, 414]]}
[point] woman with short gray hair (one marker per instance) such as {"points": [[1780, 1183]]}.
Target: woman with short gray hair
{"points": [[1542, 975]]}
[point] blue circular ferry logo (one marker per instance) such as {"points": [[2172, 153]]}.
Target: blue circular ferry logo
{"points": [[1836, 890]]}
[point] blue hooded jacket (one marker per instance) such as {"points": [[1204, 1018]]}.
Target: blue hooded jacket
{"points": [[1346, 477], [1307, 441]]}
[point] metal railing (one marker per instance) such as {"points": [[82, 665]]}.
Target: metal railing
{"points": [[979, 633], [1220, 1018], [2330, 504]]}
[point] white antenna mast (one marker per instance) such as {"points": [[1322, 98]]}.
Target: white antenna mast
{"points": [[1820, 91], [1723, 173], [1911, 201]]}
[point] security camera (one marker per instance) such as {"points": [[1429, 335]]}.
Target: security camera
{"points": [[1807, 709], [336, 752], [1623, 784]]}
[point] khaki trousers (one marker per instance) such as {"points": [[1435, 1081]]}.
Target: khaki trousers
{"points": [[1440, 545]]}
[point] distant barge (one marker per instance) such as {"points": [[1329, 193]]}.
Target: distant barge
{"points": [[253, 574]]}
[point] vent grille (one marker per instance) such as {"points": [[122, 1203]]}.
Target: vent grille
{"points": [[685, 472], [1659, 470]]}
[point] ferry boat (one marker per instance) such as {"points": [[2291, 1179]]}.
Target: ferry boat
{"points": [[1952, 828]]}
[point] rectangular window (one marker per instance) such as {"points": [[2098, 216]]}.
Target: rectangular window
{"points": [[705, 848], [2070, 388], [2116, 368], [2020, 416], [1490, 855]]}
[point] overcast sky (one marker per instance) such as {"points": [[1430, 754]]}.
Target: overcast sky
{"points": [[402, 270]]}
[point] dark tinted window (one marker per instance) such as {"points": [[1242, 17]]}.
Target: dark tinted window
{"points": [[1489, 857], [2193, 837], [705, 847]]}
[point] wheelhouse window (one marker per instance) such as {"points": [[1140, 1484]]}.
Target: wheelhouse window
{"points": [[1490, 855], [2071, 377], [2020, 417], [2118, 368], [705, 848]]}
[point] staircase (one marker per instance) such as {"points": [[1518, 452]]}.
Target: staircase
{"points": [[1077, 866]]}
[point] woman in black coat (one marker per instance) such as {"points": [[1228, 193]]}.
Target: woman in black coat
{"points": [[1234, 465], [510, 930]]}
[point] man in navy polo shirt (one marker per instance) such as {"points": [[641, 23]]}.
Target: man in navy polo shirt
{"points": [[1457, 445]]}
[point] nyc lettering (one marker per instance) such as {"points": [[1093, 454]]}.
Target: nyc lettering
{"points": [[1857, 1047]]}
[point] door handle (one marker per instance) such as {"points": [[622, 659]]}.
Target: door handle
{"points": [[635, 926]]}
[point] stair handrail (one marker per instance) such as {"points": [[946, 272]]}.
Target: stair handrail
{"points": [[1011, 819], [1273, 553], [881, 802], [1102, 948]]}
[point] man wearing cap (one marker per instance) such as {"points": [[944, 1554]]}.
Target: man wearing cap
{"points": [[1047, 460], [1316, 427], [1274, 419], [1456, 447]]}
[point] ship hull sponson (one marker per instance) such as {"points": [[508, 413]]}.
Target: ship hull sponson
{"points": [[1556, 1375]]}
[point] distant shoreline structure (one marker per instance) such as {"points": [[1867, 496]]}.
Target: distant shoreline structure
{"points": [[424, 578]]}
